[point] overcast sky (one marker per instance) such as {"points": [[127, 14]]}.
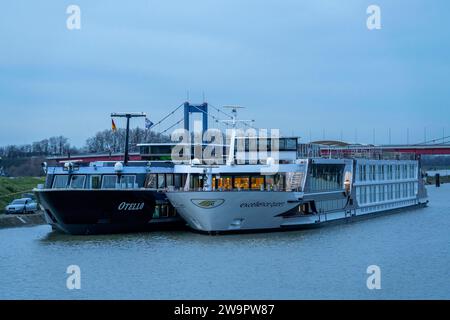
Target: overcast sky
{"points": [[311, 68]]}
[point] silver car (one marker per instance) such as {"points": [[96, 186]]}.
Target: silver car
{"points": [[24, 205]]}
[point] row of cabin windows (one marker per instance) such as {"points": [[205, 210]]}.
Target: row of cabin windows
{"points": [[163, 209], [241, 182], [386, 206], [80, 181], [284, 144], [156, 181], [373, 194], [162, 181], [372, 172]]}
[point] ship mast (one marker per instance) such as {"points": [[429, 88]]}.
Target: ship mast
{"points": [[233, 121], [128, 116]]}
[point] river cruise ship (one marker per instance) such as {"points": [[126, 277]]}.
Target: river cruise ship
{"points": [[107, 197], [305, 193]]}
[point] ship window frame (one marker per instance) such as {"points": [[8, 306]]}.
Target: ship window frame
{"points": [[91, 178], [76, 176], [60, 176], [170, 176], [241, 180], [151, 181], [127, 183], [104, 178], [177, 180], [225, 182], [158, 184], [255, 185]]}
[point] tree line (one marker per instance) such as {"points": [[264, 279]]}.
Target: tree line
{"points": [[105, 141]]}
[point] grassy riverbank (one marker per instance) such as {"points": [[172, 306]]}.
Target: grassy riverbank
{"points": [[12, 188]]}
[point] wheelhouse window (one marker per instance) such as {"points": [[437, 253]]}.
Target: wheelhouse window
{"points": [[161, 181], [177, 180], [60, 181], [169, 180], [109, 182], [291, 144], [127, 181], [150, 182], [77, 181]]}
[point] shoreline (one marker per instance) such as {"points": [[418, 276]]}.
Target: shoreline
{"points": [[21, 220]]}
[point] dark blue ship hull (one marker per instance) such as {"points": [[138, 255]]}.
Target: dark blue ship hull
{"points": [[107, 211]]}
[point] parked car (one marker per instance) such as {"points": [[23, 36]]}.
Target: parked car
{"points": [[24, 205]]}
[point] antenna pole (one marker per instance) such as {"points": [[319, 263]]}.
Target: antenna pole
{"points": [[127, 135], [127, 132]]}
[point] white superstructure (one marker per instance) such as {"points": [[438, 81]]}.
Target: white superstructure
{"points": [[305, 193]]}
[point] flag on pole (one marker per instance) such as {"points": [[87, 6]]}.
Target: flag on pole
{"points": [[148, 124], [113, 126]]}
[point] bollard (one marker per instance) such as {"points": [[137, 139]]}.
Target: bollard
{"points": [[438, 180]]}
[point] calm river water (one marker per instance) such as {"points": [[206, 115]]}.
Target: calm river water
{"points": [[411, 248]]}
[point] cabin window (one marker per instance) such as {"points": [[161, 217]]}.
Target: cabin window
{"points": [[280, 181], [270, 182], [127, 181], [150, 182], [77, 181], [372, 172], [224, 182], [169, 180], [257, 183], [95, 182], [161, 150], [109, 182], [242, 182], [164, 210], [381, 172], [390, 194], [364, 194], [161, 181], [382, 191], [196, 182], [60, 181], [275, 182], [157, 211], [177, 181], [291, 144]]}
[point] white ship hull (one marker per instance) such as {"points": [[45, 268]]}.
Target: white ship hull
{"points": [[252, 210], [233, 210]]}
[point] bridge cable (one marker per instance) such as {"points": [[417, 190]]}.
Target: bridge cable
{"points": [[168, 115], [178, 122]]}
